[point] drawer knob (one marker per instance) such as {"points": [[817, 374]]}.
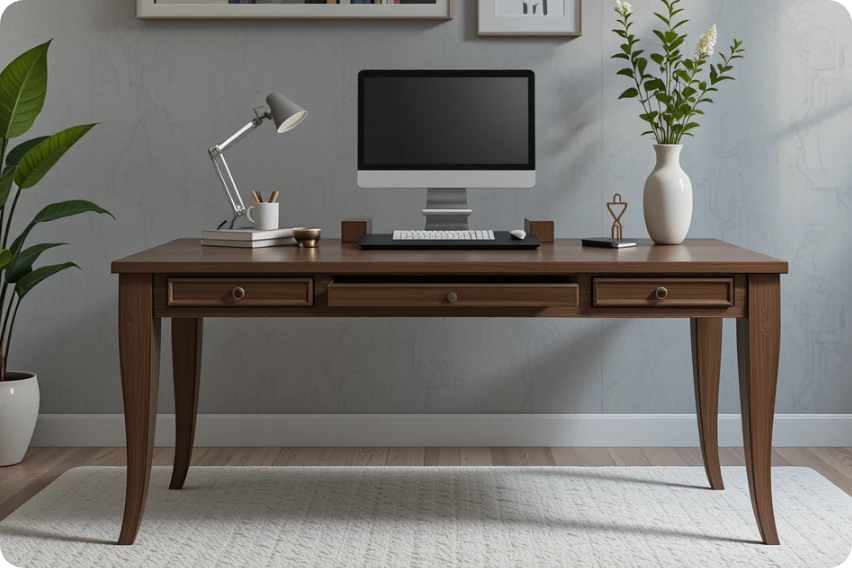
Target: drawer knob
{"points": [[662, 293], [452, 297], [238, 293]]}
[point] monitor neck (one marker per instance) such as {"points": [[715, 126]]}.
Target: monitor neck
{"points": [[447, 210]]}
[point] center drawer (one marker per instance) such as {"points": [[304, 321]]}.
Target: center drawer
{"points": [[470, 292], [247, 292]]}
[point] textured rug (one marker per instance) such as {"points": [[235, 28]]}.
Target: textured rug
{"points": [[399, 517]]}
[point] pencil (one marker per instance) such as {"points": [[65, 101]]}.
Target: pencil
{"points": [[274, 198]]}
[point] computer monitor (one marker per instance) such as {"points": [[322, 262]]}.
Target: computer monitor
{"points": [[446, 131]]}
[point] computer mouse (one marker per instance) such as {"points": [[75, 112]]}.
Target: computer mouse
{"points": [[520, 235]]}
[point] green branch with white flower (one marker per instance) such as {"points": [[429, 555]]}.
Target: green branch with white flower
{"points": [[671, 100]]}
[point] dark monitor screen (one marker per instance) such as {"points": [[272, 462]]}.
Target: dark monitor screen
{"points": [[446, 120]]}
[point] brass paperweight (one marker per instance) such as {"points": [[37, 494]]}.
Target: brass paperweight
{"points": [[307, 238]]}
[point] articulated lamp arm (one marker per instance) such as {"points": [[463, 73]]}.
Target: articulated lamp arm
{"points": [[226, 178]]}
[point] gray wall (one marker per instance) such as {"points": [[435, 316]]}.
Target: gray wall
{"points": [[771, 167]]}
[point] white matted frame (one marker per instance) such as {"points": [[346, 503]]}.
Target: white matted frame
{"points": [[531, 18], [221, 9]]}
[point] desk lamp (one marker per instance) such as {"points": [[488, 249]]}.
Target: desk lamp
{"points": [[284, 113]]}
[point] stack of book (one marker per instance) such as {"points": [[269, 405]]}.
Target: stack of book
{"points": [[248, 238]]}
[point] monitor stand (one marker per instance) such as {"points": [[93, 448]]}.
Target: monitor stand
{"points": [[447, 210]]}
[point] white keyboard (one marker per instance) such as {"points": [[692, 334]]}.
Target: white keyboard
{"points": [[443, 235]]}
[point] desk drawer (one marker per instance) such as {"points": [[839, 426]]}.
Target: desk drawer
{"points": [[663, 292], [469, 293], [245, 292]]}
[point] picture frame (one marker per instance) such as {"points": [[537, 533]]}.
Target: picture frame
{"points": [[533, 18], [294, 9]]}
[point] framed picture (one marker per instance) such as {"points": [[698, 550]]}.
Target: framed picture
{"points": [[530, 18], [283, 9]]}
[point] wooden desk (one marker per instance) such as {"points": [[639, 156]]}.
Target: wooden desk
{"points": [[703, 281]]}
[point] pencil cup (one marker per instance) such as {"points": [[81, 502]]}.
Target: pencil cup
{"points": [[264, 216]]}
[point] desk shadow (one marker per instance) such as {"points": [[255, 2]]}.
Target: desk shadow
{"points": [[642, 531], [600, 473], [446, 514], [48, 535]]}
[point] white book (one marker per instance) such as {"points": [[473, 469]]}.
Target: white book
{"points": [[249, 244], [247, 235]]}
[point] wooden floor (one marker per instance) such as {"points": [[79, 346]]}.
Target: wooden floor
{"points": [[43, 465]]}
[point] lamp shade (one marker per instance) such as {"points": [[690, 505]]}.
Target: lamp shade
{"points": [[285, 113]]}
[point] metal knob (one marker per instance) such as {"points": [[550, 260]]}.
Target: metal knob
{"points": [[452, 297], [662, 293], [238, 293]]}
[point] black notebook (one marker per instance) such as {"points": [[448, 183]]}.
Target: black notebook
{"points": [[607, 243]]}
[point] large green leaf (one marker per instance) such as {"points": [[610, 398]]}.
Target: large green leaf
{"points": [[630, 93], [16, 155], [38, 160], [54, 212], [5, 258], [23, 86], [37, 276], [67, 209], [22, 264], [6, 185]]}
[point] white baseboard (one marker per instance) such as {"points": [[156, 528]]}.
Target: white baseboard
{"points": [[431, 430]]}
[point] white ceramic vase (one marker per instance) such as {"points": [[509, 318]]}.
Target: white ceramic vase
{"points": [[19, 403], [668, 198]]}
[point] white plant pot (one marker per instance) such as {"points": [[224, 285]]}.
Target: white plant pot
{"points": [[19, 403], [668, 198]]}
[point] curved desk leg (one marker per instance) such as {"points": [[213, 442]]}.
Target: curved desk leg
{"points": [[186, 357], [707, 367], [758, 347], [139, 345]]}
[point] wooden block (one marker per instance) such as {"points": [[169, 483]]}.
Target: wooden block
{"points": [[542, 230], [351, 230]]}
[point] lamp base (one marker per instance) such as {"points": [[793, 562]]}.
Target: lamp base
{"points": [[229, 225]]}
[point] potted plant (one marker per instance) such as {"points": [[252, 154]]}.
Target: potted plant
{"points": [[23, 87], [671, 104]]}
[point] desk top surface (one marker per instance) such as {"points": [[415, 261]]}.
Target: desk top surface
{"points": [[565, 256]]}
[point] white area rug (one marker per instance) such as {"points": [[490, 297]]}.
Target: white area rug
{"points": [[400, 517]]}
